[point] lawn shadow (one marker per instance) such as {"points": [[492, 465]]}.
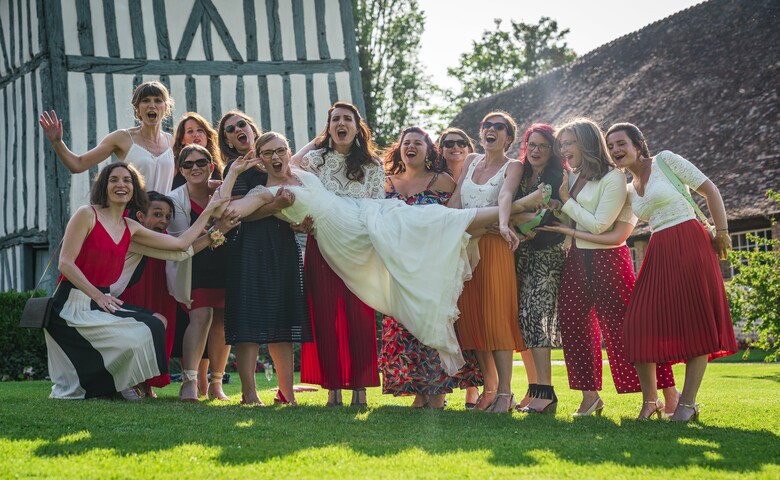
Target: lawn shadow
{"points": [[244, 435]]}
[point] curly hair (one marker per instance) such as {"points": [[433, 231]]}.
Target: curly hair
{"points": [[394, 164], [99, 193]]}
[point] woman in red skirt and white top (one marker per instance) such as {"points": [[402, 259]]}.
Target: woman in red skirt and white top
{"points": [[597, 279], [678, 311]]}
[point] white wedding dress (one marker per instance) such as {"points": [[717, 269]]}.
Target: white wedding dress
{"points": [[405, 261]]}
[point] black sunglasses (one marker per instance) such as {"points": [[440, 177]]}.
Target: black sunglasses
{"points": [[497, 125], [201, 162], [452, 143], [232, 128]]}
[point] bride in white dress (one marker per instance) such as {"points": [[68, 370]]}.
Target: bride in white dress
{"points": [[360, 240]]}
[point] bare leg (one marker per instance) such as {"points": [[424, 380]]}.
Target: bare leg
{"points": [[503, 360], [246, 360], [589, 398], [218, 354], [646, 372], [420, 401], [203, 375], [671, 398], [472, 394], [543, 366], [282, 355], [694, 373], [490, 375], [193, 344], [529, 362]]}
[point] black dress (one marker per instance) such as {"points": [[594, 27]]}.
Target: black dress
{"points": [[265, 301]]}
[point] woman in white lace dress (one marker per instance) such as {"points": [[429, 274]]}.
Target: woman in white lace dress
{"points": [[678, 311], [343, 354]]}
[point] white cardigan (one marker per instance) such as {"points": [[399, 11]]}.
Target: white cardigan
{"points": [[179, 274], [598, 206]]}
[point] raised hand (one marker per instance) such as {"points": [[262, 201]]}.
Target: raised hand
{"points": [[52, 126], [217, 205], [242, 164], [563, 191]]}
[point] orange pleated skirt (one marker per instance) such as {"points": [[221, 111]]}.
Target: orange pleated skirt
{"points": [[488, 305]]}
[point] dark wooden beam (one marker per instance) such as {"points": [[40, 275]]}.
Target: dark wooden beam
{"points": [[322, 34], [222, 30], [76, 63], [351, 54], [84, 27], [161, 28], [112, 38], [274, 29], [137, 28], [31, 235], [299, 28], [251, 30], [189, 31], [23, 70]]}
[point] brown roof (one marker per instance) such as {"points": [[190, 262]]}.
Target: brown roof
{"points": [[703, 83]]}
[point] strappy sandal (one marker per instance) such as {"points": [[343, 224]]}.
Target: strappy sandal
{"points": [[188, 378], [336, 401], [658, 411], [214, 391], [356, 398]]}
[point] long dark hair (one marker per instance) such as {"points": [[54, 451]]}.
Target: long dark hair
{"points": [[227, 152], [363, 151], [633, 132], [394, 164], [99, 193]]}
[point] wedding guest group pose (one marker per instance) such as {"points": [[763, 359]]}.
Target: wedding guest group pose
{"points": [[467, 257]]}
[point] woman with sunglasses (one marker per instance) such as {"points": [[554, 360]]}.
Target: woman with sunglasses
{"points": [[199, 283], [678, 311], [455, 145], [146, 147], [343, 353], [597, 278], [488, 304], [194, 129]]}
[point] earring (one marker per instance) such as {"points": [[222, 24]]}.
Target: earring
{"points": [[230, 145], [330, 143], [357, 141], [428, 163]]}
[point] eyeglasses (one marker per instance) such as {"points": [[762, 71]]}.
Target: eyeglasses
{"points": [[543, 147], [452, 143], [232, 128], [201, 162], [269, 154], [497, 125], [568, 143]]}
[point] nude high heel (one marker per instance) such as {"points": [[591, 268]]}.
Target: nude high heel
{"points": [[594, 409]]}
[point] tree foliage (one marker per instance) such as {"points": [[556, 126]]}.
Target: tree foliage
{"points": [[503, 59], [388, 37], [754, 292]]}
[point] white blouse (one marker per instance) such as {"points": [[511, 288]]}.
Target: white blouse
{"points": [[598, 206], [332, 172], [662, 206]]}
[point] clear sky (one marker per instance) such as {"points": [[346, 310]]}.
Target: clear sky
{"points": [[451, 25]]}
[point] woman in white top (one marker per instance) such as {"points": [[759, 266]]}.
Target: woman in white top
{"points": [[678, 311], [146, 147], [597, 279]]}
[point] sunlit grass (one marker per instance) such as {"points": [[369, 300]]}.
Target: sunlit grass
{"points": [[736, 438]]}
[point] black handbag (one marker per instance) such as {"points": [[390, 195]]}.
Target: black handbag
{"points": [[38, 309]]}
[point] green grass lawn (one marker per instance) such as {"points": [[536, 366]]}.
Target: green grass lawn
{"points": [[737, 436]]}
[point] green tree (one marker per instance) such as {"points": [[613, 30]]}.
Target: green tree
{"points": [[388, 41], [503, 59], [754, 292]]}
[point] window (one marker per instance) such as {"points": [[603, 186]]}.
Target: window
{"points": [[740, 241], [35, 257]]}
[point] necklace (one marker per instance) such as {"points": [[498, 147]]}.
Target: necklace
{"points": [[153, 146]]}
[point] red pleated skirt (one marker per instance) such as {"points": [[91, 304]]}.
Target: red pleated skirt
{"points": [[344, 351], [678, 309]]}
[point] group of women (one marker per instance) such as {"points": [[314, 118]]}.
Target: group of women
{"points": [[468, 256]]}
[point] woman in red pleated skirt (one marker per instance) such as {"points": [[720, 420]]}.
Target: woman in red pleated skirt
{"points": [[678, 311]]}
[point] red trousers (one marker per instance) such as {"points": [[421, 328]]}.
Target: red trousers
{"points": [[595, 289]]}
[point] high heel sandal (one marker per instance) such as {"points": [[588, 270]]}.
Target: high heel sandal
{"points": [[188, 378], [691, 406], [543, 216], [594, 409], [544, 392], [481, 396], [214, 391], [510, 407], [336, 401], [659, 410], [356, 398]]}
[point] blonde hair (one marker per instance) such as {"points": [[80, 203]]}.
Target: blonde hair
{"points": [[267, 137]]}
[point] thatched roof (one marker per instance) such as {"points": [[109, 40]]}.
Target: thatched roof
{"points": [[703, 83]]}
